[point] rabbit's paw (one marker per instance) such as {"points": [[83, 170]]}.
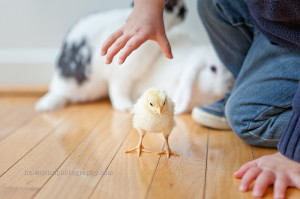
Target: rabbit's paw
{"points": [[50, 102], [122, 105]]}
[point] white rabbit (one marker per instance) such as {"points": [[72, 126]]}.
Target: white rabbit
{"points": [[82, 75]]}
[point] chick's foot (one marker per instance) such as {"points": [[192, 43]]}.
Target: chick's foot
{"points": [[168, 152], [139, 149]]}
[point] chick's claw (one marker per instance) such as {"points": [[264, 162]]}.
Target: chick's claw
{"points": [[168, 153], [139, 150]]}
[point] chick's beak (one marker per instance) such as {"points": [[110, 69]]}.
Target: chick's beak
{"points": [[158, 110]]}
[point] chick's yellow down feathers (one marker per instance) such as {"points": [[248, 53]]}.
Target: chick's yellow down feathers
{"points": [[153, 113]]}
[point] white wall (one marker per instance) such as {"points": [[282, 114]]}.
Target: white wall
{"points": [[31, 32]]}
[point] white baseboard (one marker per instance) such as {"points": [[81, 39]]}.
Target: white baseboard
{"points": [[28, 66]]}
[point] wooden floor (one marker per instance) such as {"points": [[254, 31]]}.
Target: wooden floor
{"points": [[78, 152]]}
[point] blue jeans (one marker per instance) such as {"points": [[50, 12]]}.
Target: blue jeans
{"points": [[266, 75]]}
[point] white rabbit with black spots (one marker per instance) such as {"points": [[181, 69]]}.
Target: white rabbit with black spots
{"points": [[82, 75]]}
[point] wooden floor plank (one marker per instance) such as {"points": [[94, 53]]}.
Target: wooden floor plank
{"points": [[90, 160], [226, 153], [35, 169], [7, 104], [184, 176], [260, 151], [23, 90], [132, 175], [93, 138], [17, 113], [15, 146]]}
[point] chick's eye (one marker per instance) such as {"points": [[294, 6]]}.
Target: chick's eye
{"points": [[164, 103], [151, 104]]}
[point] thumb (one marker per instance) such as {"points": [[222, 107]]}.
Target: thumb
{"points": [[165, 46]]}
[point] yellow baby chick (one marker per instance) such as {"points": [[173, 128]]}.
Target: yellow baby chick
{"points": [[153, 112]]}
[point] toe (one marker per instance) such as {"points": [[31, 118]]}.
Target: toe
{"points": [[161, 153], [147, 151], [129, 151]]}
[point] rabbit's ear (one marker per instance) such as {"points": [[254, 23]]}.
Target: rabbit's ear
{"points": [[187, 82]]}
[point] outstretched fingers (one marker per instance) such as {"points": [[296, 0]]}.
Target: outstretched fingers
{"points": [[243, 169], [110, 40], [249, 177], [265, 179], [280, 187], [135, 42], [295, 181], [165, 46], [273, 169], [128, 42], [116, 47]]}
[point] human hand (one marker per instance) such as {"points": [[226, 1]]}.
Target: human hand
{"points": [[270, 169], [144, 23]]}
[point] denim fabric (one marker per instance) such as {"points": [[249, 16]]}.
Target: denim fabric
{"points": [[266, 75], [217, 108]]}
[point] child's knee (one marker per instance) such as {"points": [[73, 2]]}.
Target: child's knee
{"points": [[257, 133]]}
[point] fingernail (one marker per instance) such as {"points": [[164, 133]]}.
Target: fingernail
{"points": [[107, 61], [120, 61], [256, 194], [243, 188], [236, 175]]}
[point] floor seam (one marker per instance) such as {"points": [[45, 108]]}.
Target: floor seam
{"points": [[93, 190], [206, 160], [150, 185], [252, 151]]}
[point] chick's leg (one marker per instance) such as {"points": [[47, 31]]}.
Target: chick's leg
{"points": [[139, 149], [168, 151]]}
